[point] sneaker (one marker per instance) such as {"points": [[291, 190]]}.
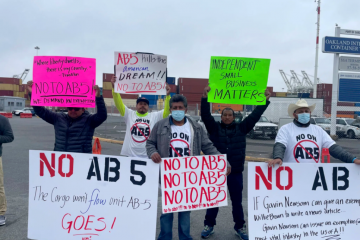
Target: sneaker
{"points": [[241, 233], [207, 232], [2, 220]]}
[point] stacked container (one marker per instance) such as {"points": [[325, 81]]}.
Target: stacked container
{"points": [[107, 88], [192, 89], [12, 87]]}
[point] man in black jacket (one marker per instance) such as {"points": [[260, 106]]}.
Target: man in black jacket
{"points": [[229, 138], [6, 136], [74, 131]]}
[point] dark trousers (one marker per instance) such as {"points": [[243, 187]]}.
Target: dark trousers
{"points": [[235, 186]]}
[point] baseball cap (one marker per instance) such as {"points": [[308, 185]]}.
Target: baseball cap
{"points": [[142, 99]]}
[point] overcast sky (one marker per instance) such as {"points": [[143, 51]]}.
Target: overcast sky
{"points": [[188, 32]]}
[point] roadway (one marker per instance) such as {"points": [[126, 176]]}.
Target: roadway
{"points": [[35, 134]]}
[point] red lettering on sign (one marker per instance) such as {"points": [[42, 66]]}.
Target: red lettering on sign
{"points": [[44, 160], [267, 181], [290, 178], [71, 167]]}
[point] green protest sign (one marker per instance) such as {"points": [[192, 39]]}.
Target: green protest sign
{"points": [[238, 80]]}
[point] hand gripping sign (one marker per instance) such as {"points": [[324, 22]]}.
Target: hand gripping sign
{"points": [[63, 81], [90, 196], [140, 73], [193, 183]]}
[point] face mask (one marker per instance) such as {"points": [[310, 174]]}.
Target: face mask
{"points": [[178, 115], [304, 118]]}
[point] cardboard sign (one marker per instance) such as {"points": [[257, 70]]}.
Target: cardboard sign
{"points": [[63, 82], [140, 73], [85, 196], [193, 183], [238, 80], [304, 201]]}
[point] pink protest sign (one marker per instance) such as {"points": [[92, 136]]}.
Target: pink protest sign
{"points": [[63, 81]]}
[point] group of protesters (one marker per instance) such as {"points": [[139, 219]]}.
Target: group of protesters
{"points": [[74, 132]]}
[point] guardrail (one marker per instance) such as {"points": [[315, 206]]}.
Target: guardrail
{"points": [[8, 115], [25, 115]]}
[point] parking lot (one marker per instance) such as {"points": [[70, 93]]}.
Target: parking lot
{"points": [[35, 134]]}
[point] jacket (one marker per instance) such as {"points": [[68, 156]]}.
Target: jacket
{"points": [[231, 139], [159, 140], [6, 133], [74, 135]]}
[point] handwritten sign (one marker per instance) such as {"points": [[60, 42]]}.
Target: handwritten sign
{"points": [[85, 196], [63, 81], [140, 73], [193, 183], [304, 201], [238, 80]]}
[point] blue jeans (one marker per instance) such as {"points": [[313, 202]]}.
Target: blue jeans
{"points": [[235, 186], [166, 224]]}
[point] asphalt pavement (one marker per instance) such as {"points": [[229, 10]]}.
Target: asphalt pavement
{"points": [[35, 134]]}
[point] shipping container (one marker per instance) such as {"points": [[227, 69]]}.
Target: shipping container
{"points": [[190, 97], [22, 88], [9, 87], [273, 94], [107, 77], [281, 94], [15, 81], [107, 86], [170, 80], [173, 88], [108, 94], [304, 95], [271, 89], [324, 86], [191, 89], [292, 95], [6, 93], [220, 106], [192, 85]]}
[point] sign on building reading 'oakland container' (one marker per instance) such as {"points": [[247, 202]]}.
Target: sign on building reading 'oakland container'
{"points": [[349, 87], [341, 45]]}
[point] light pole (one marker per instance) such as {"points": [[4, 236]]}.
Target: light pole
{"points": [[317, 49], [37, 49]]}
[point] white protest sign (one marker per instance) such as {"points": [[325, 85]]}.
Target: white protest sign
{"points": [[140, 73], [304, 201], [193, 183], [85, 196]]}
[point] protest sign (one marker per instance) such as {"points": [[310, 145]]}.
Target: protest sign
{"points": [[138, 73], [63, 82], [238, 80], [86, 196], [193, 183], [304, 201]]}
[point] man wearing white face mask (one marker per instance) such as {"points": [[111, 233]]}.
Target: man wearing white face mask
{"points": [[177, 136], [302, 142]]}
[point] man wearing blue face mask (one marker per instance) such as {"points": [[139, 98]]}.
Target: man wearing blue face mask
{"points": [[302, 142], [177, 136]]}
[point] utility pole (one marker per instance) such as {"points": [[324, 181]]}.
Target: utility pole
{"points": [[37, 49], [317, 49]]}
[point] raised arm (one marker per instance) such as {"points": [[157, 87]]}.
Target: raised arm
{"points": [[166, 112], [98, 118], [7, 133], [117, 98], [42, 112], [249, 122], [206, 117]]}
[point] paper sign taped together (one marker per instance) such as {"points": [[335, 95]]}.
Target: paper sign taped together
{"points": [[63, 81], [140, 73], [238, 80], [193, 183]]}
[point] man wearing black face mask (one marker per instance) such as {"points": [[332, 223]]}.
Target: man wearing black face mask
{"points": [[229, 138], [74, 131], [302, 142]]}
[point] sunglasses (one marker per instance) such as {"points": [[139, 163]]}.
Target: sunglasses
{"points": [[73, 108]]}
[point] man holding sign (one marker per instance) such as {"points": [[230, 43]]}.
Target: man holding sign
{"points": [[177, 136], [139, 123], [74, 130], [302, 142], [229, 138]]}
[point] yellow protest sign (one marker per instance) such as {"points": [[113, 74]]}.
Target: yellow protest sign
{"points": [[238, 80]]}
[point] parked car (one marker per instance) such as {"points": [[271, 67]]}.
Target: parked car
{"points": [[352, 131], [325, 124], [264, 128], [25, 110]]}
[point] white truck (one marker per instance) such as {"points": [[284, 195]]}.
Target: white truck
{"points": [[264, 128], [350, 129]]}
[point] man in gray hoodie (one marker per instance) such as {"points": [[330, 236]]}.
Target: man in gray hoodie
{"points": [[6, 136]]}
